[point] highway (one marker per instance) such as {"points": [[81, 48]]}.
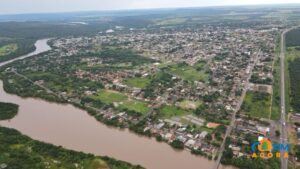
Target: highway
{"points": [[283, 128], [284, 133], [283, 138]]}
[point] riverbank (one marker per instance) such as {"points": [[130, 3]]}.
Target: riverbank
{"points": [[20, 151]]}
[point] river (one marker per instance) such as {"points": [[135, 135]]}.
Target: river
{"points": [[40, 45], [73, 128]]}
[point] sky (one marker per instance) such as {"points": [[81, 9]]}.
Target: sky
{"points": [[46, 6]]}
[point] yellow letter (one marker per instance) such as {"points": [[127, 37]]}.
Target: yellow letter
{"points": [[286, 155], [254, 155]]}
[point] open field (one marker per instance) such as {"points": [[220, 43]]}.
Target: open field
{"points": [[188, 73], [171, 111], [137, 82], [8, 49], [109, 96], [257, 104], [137, 106], [186, 104]]}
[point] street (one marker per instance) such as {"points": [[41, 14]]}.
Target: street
{"points": [[233, 118]]}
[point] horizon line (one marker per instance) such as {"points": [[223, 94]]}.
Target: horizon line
{"points": [[141, 9]]}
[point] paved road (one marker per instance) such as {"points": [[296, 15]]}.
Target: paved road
{"points": [[284, 133], [283, 138], [229, 128]]}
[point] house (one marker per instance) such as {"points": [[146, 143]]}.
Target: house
{"points": [[203, 134], [190, 143]]}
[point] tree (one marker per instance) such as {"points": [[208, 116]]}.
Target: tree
{"points": [[177, 144], [277, 133]]}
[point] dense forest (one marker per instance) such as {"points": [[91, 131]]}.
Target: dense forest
{"points": [[8, 110], [19, 151], [294, 71], [292, 38]]}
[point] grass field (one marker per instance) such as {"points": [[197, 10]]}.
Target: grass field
{"points": [[135, 105], [257, 104], [137, 82], [109, 96], [8, 49], [186, 104], [170, 111], [188, 73]]}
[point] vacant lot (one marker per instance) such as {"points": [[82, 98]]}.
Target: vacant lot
{"points": [[257, 104], [186, 104]]}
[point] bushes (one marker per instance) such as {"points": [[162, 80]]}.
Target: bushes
{"points": [[177, 144]]}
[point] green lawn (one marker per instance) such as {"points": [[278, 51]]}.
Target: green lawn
{"points": [[137, 106], [109, 96], [188, 73], [170, 111], [257, 104], [8, 49], [137, 82]]}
